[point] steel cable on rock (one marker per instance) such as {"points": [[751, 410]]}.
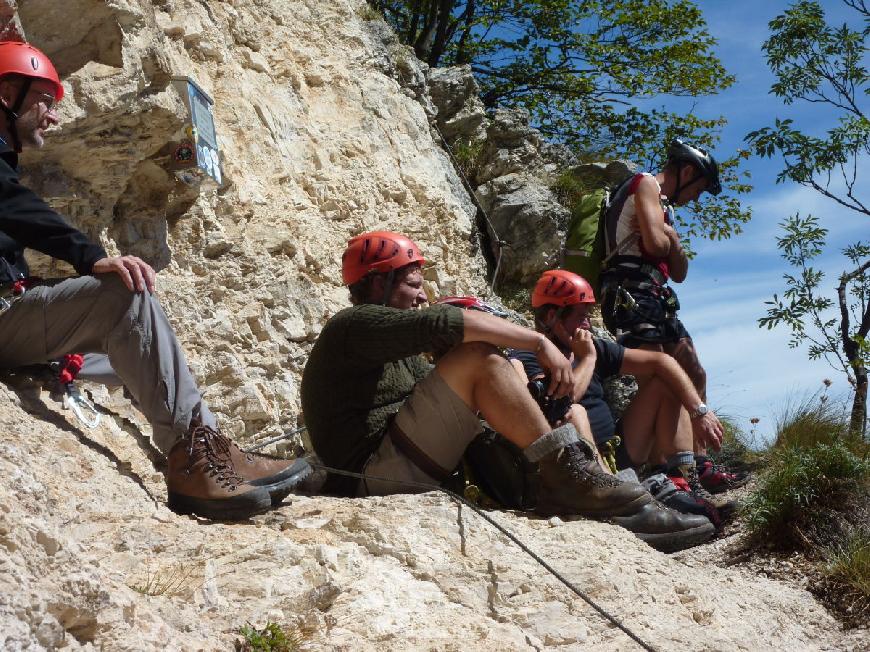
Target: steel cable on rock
{"points": [[470, 189], [463, 501]]}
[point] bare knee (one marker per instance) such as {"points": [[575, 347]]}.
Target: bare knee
{"points": [[474, 361], [476, 353]]}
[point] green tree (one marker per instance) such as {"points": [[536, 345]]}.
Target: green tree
{"points": [[817, 62], [579, 67]]}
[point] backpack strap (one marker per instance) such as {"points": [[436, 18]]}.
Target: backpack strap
{"points": [[626, 188]]}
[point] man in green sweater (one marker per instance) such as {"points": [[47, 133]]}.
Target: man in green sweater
{"points": [[374, 405]]}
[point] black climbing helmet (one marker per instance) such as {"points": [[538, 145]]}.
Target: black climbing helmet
{"points": [[680, 152]]}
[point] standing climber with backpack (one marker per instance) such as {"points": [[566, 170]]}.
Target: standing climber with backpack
{"points": [[646, 253], [110, 308], [643, 253]]}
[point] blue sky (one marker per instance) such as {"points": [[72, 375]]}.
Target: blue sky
{"points": [[753, 372]]}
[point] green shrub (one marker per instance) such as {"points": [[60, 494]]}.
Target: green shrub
{"points": [[468, 156], [367, 12], [738, 449], [803, 493], [272, 638], [812, 420], [847, 575]]}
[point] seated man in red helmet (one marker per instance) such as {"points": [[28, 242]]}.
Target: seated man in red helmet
{"points": [[110, 309], [644, 255], [663, 419], [374, 406]]}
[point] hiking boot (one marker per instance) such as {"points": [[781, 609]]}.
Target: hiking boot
{"points": [[718, 479], [685, 477], [666, 530], [571, 482], [212, 477], [675, 494]]}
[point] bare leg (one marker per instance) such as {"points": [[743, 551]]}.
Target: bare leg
{"points": [[580, 420], [655, 424], [487, 383]]}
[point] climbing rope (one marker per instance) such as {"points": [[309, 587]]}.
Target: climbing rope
{"points": [[462, 501]]}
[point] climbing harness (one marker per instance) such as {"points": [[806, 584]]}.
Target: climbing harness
{"points": [[66, 370], [616, 622]]}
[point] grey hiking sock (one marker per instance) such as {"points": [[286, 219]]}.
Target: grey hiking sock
{"points": [[681, 458], [550, 442]]}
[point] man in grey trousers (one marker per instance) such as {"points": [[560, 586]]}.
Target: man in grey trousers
{"points": [[110, 308]]}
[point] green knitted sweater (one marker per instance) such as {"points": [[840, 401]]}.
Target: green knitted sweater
{"points": [[364, 365]]}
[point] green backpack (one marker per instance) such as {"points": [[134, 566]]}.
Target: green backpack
{"points": [[585, 247], [584, 241]]}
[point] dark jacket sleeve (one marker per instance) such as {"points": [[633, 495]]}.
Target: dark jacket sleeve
{"points": [[32, 223], [377, 334]]}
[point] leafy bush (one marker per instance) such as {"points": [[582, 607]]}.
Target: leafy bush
{"points": [[847, 575], [804, 490], [738, 449], [272, 638], [468, 156], [812, 420]]}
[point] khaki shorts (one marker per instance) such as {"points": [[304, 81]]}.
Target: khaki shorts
{"points": [[424, 443]]}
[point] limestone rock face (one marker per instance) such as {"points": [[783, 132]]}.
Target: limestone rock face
{"points": [[90, 558], [323, 123], [322, 137], [512, 169]]}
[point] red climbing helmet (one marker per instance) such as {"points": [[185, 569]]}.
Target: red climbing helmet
{"points": [[17, 58], [472, 303], [377, 251], [560, 287]]}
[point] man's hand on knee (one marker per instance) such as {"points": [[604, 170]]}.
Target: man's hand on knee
{"points": [[135, 272]]}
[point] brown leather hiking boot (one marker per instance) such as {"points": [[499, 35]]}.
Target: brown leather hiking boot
{"points": [[571, 482], [212, 477], [665, 529]]}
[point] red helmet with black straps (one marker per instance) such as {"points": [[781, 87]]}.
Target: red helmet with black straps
{"points": [[377, 251], [472, 303], [560, 287], [17, 58]]}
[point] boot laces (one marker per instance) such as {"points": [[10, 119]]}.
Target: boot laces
{"points": [[215, 450], [695, 485], [578, 463]]}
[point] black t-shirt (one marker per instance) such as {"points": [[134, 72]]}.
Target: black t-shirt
{"points": [[607, 363]]}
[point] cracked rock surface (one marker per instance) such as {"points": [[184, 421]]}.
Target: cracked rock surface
{"points": [[91, 558], [323, 123]]}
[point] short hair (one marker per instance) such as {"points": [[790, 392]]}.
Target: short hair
{"points": [[541, 312], [362, 289], [360, 292]]}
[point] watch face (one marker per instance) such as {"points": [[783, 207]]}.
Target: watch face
{"points": [[701, 410]]}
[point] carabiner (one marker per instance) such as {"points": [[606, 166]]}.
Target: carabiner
{"points": [[74, 400]]}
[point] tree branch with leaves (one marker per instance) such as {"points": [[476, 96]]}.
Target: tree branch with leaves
{"points": [[819, 63]]}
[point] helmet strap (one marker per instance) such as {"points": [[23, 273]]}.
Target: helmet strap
{"points": [[12, 113]]}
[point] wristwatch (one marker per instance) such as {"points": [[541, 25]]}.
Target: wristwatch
{"points": [[699, 411]]}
